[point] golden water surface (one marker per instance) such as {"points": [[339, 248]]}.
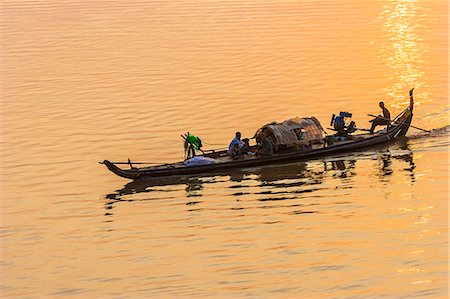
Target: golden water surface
{"points": [[84, 81]]}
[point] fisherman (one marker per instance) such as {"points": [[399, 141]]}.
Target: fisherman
{"points": [[381, 120], [191, 144], [236, 140]]}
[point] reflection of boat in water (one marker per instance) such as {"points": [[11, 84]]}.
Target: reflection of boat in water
{"points": [[224, 164]]}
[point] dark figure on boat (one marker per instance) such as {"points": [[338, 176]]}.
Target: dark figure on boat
{"points": [[191, 144], [381, 120], [236, 141], [246, 149], [266, 148], [242, 152], [236, 153]]}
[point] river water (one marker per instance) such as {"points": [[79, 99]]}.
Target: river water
{"points": [[84, 81]]}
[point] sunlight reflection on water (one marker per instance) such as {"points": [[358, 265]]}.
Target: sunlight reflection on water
{"points": [[403, 50]]}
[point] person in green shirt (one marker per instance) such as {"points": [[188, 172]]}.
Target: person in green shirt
{"points": [[191, 144]]}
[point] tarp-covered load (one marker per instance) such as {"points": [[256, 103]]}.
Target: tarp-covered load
{"points": [[292, 133]]}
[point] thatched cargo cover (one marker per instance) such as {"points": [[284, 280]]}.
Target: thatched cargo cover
{"points": [[292, 133]]}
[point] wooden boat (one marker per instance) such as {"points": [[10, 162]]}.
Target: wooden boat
{"points": [[223, 162], [295, 172]]}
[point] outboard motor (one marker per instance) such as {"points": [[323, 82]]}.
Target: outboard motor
{"points": [[339, 123]]}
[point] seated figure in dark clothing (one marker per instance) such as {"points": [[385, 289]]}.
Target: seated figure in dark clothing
{"points": [[236, 152], [266, 148], [246, 149], [240, 150], [381, 120]]}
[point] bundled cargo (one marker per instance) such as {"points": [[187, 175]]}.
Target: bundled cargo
{"points": [[295, 133]]}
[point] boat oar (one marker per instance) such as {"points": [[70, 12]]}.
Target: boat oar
{"points": [[398, 122]]}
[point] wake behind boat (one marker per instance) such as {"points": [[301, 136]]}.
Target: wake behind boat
{"points": [[293, 140]]}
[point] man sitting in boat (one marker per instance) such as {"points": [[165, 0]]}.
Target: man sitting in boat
{"points": [[236, 141], [246, 149], [266, 148], [381, 120], [236, 153]]}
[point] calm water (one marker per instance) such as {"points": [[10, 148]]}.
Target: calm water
{"points": [[83, 81]]}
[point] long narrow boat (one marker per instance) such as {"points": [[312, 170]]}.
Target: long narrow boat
{"points": [[398, 128]]}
